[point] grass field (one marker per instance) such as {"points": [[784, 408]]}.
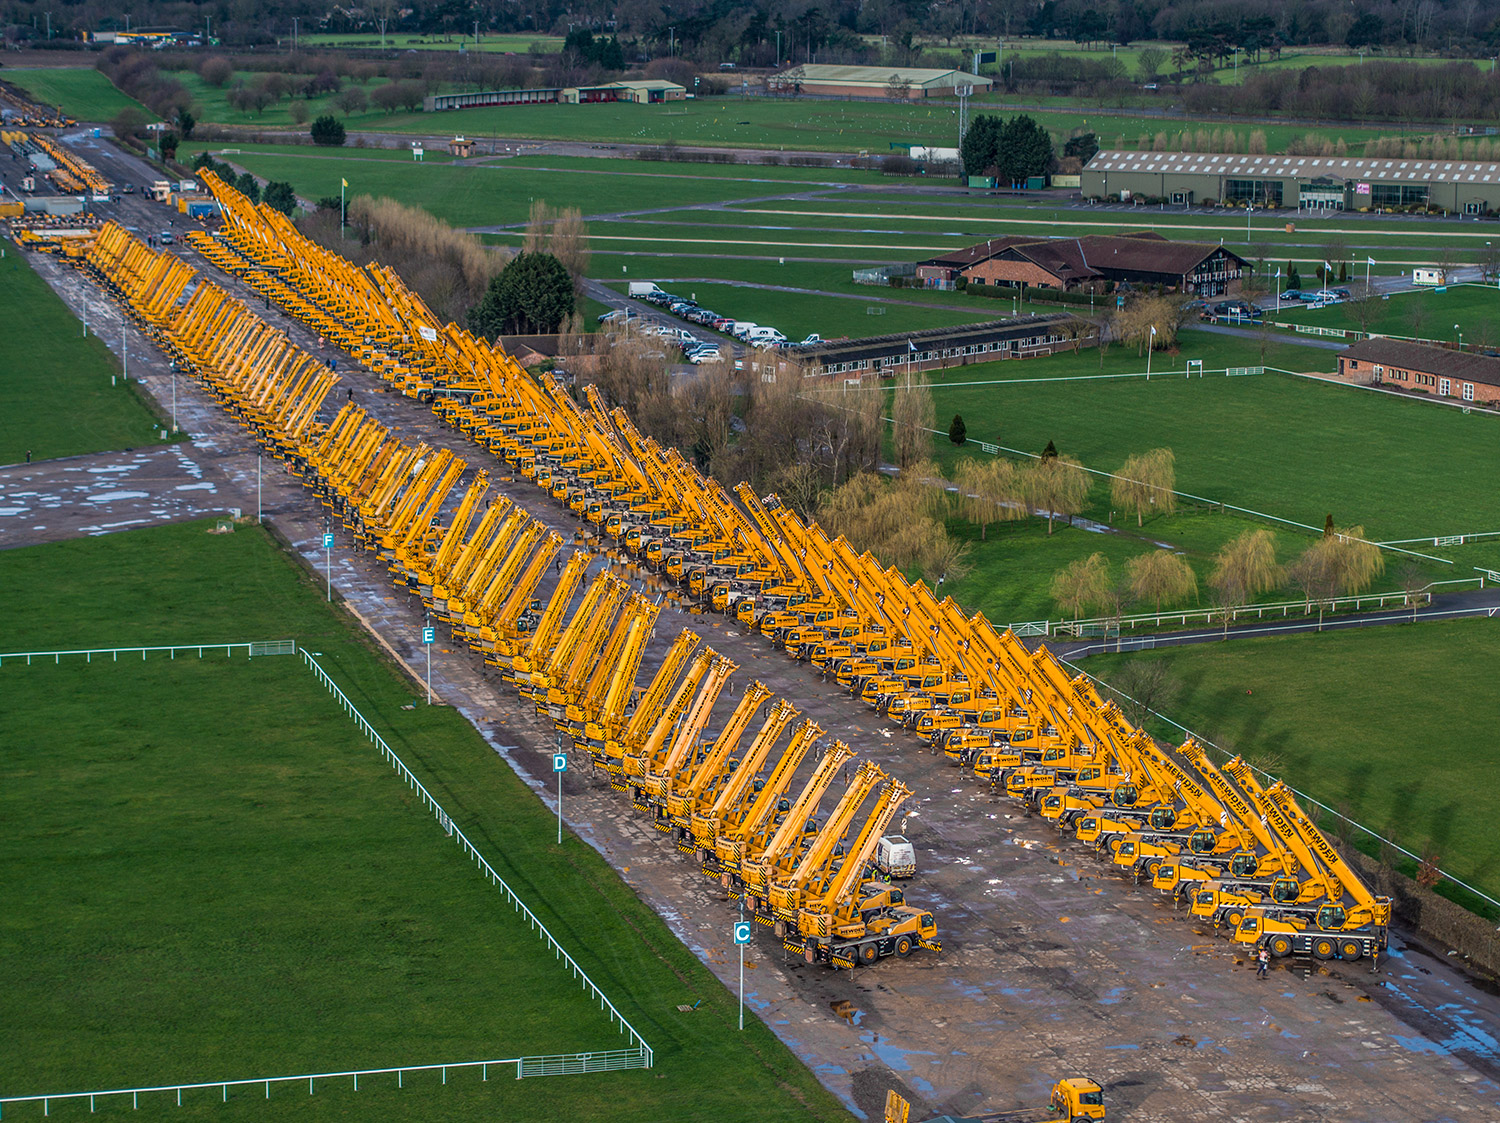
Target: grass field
{"points": [[243, 928], [504, 44], [1471, 309], [1352, 718], [55, 396], [84, 94], [213, 101], [1286, 446]]}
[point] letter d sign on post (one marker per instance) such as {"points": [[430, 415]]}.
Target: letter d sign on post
{"points": [[559, 765]]}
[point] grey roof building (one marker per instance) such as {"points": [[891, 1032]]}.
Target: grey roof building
{"points": [[1333, 182]]}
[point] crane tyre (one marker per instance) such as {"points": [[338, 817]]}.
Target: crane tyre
{"points": [[904, 946], [1351, 949], [1232, 919], [1324, 948], [868, 954], [1280, 946]]}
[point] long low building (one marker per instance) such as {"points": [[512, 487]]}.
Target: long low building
{"points": [[1328, 182], [1203, 269], [645, 92], [893, 355], [898, 82], [1439, 371]]}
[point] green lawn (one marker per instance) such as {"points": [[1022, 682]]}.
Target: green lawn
{"points": [[1351, 718], [230, 880], [213, 102], [55, 396], [84, 94], [1474, 309], [517, 44], [1286, 446]]}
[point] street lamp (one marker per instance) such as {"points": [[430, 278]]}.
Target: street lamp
{"points": [[1460, 337]]}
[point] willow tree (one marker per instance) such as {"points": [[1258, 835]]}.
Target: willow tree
{"points": [[1146, 482]]}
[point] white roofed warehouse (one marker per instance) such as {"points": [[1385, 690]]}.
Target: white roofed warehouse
{"points": [[1320, 182], [910, 83]]}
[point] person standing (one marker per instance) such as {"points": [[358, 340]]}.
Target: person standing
{"points": [[1262, 962]]}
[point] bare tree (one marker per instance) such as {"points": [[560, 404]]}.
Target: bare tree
{"points": [[1145, 686], [1413, 583], [562, 233], [1160, 575], [1082, 584], [914, 416], [1057, 485], [1146, 482]]}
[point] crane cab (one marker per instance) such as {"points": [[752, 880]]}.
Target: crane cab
{"points": [[1077, 1097]]}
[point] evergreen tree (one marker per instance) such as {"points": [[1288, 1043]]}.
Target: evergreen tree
{"points": [[328, 131], [978, 148], [958, 432], [280, 196], [1023, 149], [532, 295]]}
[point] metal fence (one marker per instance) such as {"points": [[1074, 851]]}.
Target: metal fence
{"points": [[1302, 796], [1114, 625], [251, 650], [561, 1064], [446, 822]]}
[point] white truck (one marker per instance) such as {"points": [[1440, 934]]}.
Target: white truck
{"points": [[895, 856], [643, 289]]}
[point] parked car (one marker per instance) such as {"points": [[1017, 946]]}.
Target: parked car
{"points": [[705, 355], [1292, 294], [721, 323], [1324, 296]]}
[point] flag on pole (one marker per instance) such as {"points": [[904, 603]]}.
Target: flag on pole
{"points": [[343, 182], [911, 347], [1369, 261]]}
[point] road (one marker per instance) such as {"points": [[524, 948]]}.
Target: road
{"points": [[1051, 964]]}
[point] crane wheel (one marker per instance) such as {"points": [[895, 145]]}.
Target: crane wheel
{"points": [[1232, 919], [1323, 948], [1280, 946], [868, 953], [904, 946], [1351, 949]]}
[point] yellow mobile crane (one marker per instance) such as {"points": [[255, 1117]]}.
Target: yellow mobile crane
{"points": [[638, 761], [656, 785], [1258, 853], [1332, 930], [610, 752], [494, 584], [602, 702], [595, 636], [539, 645], [845, 921], [787, 884], [468, 553], [500, 637], [734, 795], [743, 835], [548, 663], [706, 770], [606, 723], [776, 855]]}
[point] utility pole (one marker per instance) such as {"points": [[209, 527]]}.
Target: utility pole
{"points": [[294, 33], [671, 41], [382, 34]]}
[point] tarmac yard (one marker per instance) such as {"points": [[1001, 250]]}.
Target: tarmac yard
{"points": [[1052, 965]]}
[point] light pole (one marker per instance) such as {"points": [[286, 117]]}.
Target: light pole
{"points": [[1460, 337], [1150, 344], [174, 395]]}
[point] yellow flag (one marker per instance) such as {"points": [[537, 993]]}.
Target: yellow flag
{"points": [[345, 182]]}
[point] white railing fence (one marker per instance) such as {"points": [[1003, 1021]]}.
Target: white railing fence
{"points": [[560, 1064], [453, 831], [252, 650]]}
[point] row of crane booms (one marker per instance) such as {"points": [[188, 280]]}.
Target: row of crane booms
{"points": [[578, 656], [978, 694]]}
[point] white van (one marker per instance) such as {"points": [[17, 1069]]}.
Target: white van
{"points": [[741, 329], [765, 337]]}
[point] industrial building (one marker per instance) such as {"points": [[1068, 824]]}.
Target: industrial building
{"points": [[899, 82], [1203, 269], [1317, 182], [1416, 366], [1020, 337], [647, 92]]}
